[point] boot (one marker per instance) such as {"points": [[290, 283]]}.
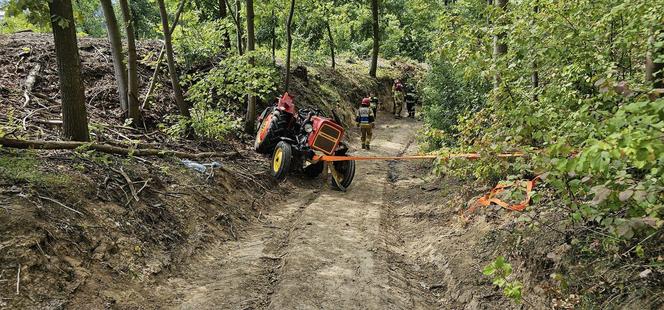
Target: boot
{"points": [[364, 146], [368, 148]]}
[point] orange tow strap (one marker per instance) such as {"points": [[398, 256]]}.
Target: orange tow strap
{"points": [[412, 157], [490, 198]]}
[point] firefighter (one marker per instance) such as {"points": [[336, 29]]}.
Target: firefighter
{"points": [[411, 100], [374, 103], [397, 92], [365, 120]]}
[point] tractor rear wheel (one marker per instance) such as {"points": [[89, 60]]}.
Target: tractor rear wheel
{"points": [[281, 160], [273, 126], [346, 173]]}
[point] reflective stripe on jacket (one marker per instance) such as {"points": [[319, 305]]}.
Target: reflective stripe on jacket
{"points": [[364, 116]]}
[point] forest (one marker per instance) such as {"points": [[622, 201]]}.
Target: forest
{"points": [[131, 160]]}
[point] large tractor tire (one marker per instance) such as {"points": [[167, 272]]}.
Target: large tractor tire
{"points": [[273, 126], [281, 160], [314, 170], [346, 174]]}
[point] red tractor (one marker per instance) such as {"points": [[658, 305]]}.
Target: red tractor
{"points": [[297, 138]]}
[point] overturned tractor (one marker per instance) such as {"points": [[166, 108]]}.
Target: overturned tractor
{"points": [[297, 138]]}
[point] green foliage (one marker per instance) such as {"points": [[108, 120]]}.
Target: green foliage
{"points": [[89, 17], [447, 95], [200, 44], [206, 122], [592, 124], [21, 167], [499, 270], [146, 17], [12, 24], [227, 84]]}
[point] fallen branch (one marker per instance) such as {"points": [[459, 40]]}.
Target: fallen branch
{"points": [[61, 204], [104, 148], [30, 83], [130, 183], [18, 279], [47, 98]]}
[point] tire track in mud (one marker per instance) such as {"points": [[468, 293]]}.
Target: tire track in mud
{"points": [[404, 272]]}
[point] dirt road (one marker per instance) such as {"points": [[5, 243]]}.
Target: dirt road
{"points": [[373, 247]]}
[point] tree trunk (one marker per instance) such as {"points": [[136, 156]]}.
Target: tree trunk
{"points": [[376, 42], [223, 14], [499, 45], [535, 75], [160, 58], [654, 70], [289, 43], [170, 59], [274, 38], [74, 116], [238, 18], [116, 52], [251, 99], [132, 65], [105, 148], [331, 39]]}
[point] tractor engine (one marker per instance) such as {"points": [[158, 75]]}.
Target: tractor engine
{"points": [[325, 136]]}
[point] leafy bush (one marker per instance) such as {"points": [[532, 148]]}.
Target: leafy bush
{"points": [[499, 270], [207, 122], [232, 80], [11, 24], [202, 45], [446, 96]]}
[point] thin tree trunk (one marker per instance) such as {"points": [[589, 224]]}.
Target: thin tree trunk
{"points": [[74, 115], [251, 99], [376, 41], [499, 45], [153, 80], [132, 65], [116, 52], [274, 38], [289, 43], [160, 58], [535, 75], [170, 59], [238, 18], [654, 70], [331, 39], [223, 14]]}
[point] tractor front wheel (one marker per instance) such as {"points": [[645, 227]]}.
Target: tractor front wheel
{"points": [[345, 172], [281, 160], [314, 170]]}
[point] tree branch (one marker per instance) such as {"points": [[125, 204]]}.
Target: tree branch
{"points": [[104, 148]]}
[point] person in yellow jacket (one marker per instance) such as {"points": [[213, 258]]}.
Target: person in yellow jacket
{"points": [[365, 120], [397, 92]]}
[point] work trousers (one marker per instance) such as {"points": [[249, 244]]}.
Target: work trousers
{"points": [[410, 105], [366, 131], [398, 103]]}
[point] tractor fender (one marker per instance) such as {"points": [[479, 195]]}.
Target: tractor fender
{"points": [[288, 140]]}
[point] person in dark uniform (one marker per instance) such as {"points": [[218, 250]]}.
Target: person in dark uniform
{"points": [[374, 103], [411, 100]]}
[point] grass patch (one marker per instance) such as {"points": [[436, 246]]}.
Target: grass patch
{"points": [[24, 168]]}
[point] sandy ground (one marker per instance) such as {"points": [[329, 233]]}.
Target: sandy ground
{"points": [[371, 247]]}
